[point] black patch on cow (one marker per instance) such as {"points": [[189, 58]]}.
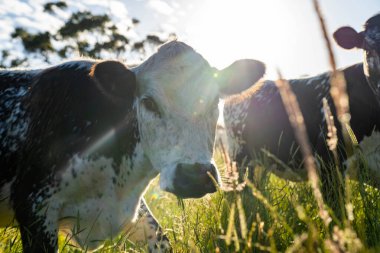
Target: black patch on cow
{"points": [[363, 107], [66, 107]]}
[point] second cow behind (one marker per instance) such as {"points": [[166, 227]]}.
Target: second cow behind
{"points": [[259, 120]]}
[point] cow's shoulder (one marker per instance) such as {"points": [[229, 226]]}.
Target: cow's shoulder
{"points": [[354, 74]]}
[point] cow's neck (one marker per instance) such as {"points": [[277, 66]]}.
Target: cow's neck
{"points": [[90, 176], [135, 173], [101, 195]]}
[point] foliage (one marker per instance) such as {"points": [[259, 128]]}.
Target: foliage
{"points": [[83, 34], [39, 42], [83, 21], [49, 7]]}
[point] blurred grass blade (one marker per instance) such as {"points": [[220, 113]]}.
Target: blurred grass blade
{"points": [[231, 225], [242, 218]]}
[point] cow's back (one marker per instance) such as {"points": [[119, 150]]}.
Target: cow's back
{"points": [[261, 121]]}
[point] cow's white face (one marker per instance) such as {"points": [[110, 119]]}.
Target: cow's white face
{"points": [[369, 41], [177, 111]]}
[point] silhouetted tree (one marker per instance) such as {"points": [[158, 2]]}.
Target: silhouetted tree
{"points": [[73, 39], [49, 7]]}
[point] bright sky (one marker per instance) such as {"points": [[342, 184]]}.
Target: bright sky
{"points": [[281, 33]]}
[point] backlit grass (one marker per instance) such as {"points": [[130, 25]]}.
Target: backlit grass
{"points": [[269, 215]]}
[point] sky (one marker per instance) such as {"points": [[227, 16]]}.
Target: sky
{"points": [[284, 34]]}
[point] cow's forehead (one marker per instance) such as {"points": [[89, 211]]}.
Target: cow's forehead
{"points": [[373, 21], [179, 77], [372, 32]]}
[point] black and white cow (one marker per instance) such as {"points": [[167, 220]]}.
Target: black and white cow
{"points": [[259, 120], [369, 41], [81, 141]]}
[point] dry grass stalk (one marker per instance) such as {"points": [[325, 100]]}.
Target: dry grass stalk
{"points": [[338, 83], [332, 141], [325, 34], [225, 156], [297, 121], [231, 225], [297, 246], [332, 138], [242, 218], [340, 97], [231, 175]]}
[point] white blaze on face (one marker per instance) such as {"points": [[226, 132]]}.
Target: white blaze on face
{"points": [[177, 109]]}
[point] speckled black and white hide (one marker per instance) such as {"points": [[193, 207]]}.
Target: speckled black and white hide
{"points": [[149, 229], [68, 141], [260, 121], [82, 140], [369, 41]]}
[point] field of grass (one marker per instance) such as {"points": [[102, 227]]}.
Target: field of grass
{"points": [[268, 214], [271, 215]]}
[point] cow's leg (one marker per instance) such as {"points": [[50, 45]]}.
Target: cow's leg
{"points": [[147, 229], [36, 218], [36, 239], [38, 234]]}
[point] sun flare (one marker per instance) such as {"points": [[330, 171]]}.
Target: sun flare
{"points": [[239, 28]]}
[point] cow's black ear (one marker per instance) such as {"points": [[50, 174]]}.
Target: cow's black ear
{"points": [[114, 79], [348, 38], [239, 76]]}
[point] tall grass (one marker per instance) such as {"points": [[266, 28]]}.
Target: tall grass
{"points": [[268, 214], [256, 211]]}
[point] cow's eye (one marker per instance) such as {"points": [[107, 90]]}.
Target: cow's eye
{"points": [[150, 105]]}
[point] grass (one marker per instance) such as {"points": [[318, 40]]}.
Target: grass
{"points": [[271, 214], [268, 214]]}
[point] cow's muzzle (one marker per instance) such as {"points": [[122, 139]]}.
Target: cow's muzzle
{"points": [[194, 180]]}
